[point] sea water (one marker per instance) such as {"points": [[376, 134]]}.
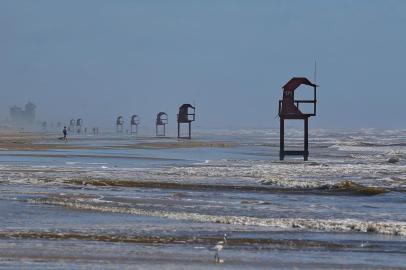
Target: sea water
{"points": [[121, 202]]}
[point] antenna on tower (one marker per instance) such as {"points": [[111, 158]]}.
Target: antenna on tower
{"points": [[315, 72]]}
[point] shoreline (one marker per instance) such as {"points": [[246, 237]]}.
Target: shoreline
{"points": [[33, 141]]}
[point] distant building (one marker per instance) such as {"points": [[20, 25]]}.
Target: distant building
{"points": [[24, 116]]}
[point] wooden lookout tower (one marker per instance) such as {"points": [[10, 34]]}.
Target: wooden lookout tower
{"points": [[289, 109], [161, 120], [119, 124], [135, 121], [187, 114]]}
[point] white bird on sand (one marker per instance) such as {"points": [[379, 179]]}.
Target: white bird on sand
{"points": [[219, 247]]}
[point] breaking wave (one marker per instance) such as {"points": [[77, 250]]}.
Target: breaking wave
{"points": [[333, 225], [344, 187]]}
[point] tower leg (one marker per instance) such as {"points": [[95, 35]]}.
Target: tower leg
{"points": [[282, 139], [178, 130], [190, 130], [164, 131], [306, 139]]}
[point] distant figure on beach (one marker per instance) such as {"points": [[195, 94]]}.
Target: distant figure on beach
{"points": [[65, 132]]}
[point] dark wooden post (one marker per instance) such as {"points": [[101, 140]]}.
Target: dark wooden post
{"points": [[306, 139], [282, 139], [178, 130], [190, 130]]}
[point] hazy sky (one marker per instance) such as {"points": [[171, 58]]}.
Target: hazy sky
{"points": [[98, 59]]}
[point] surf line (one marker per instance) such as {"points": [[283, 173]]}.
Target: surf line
{"points": [[344, 225]]}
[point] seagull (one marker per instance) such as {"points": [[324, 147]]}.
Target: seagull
{"points": [[219, 247]]}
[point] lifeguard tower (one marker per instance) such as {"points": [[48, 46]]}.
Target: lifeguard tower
{"points": [[289, 109], [135, 121], [187, 114], [161, 120], [119, 124]]}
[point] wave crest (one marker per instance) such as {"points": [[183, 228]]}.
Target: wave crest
{"points": [[335, 225]]}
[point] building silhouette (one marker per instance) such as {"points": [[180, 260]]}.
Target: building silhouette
{"points": [[20, 116]]}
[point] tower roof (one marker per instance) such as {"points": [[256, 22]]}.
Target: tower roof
{"points": [[295, 82]]}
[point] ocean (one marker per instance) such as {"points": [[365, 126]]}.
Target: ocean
{"points": [[116, 201]]}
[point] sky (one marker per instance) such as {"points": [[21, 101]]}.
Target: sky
{"points": [[97, 59]]}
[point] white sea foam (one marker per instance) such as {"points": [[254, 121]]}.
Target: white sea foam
{"points": [[291, 174], [334, 225], [281, 174], [71, 163], [85, 163]]}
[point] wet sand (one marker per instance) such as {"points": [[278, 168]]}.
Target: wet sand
{"points": [[26, 141]]}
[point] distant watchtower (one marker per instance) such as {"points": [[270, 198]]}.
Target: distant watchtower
{"points": [[161, 120], [289, 109], [187, 114], [119, 124], [135, 121]]}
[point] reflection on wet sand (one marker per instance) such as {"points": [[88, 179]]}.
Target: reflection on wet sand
{"points": [[34, 141]]}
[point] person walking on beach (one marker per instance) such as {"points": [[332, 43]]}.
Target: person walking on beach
{"points": [[65, 132]]}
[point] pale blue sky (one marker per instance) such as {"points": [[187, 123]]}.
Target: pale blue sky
{"points": [[97, 59]]}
